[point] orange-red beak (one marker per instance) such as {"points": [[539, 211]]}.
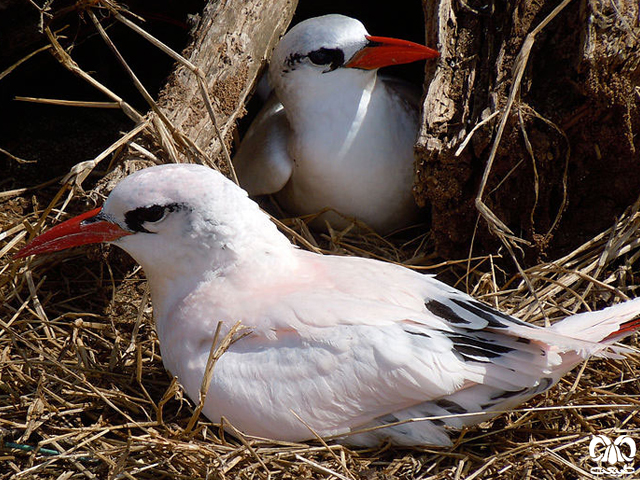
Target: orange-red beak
{"points": [[80, 230], [384, 51]]}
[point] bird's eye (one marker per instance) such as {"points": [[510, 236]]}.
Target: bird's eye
{"points": [[135, 219], [334, 57], [153, 213]]}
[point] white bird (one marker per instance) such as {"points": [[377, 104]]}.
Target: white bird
{"points": [[336, 344], [336, 134]]}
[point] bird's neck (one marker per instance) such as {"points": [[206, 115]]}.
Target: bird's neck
{"points": [[174, 280], [325, 106]]}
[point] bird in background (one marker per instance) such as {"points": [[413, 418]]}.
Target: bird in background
{"points": [[336, 134], [335, 344]]}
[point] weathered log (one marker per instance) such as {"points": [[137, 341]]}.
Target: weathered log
{"points": [[230, 46], [567, 161]]}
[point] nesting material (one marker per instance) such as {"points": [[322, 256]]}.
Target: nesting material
{"points": [[83, 393]]}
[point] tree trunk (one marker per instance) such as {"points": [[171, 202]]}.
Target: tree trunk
{"points": [[567, 161]]}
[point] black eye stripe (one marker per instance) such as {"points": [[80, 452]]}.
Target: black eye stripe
{"points": [[135, 219], [334, 57], [292, 59], [152, 213]]}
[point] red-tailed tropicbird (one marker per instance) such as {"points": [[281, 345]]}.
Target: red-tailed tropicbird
{"points": [[337, 344], [336, 134]]}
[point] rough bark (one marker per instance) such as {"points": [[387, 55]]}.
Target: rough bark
{"points": [[231, 45], [568, 160]]}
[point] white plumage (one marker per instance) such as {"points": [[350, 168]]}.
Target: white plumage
{"points": [[336, 134], [344, 343]]}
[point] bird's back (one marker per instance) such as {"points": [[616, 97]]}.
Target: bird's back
{"points": [[347, 343]]}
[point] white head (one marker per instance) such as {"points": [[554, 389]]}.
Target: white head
{"points": [[322, 54], [173, 219]]}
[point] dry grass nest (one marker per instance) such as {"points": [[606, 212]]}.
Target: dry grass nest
{"points": [[83, 392]]}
